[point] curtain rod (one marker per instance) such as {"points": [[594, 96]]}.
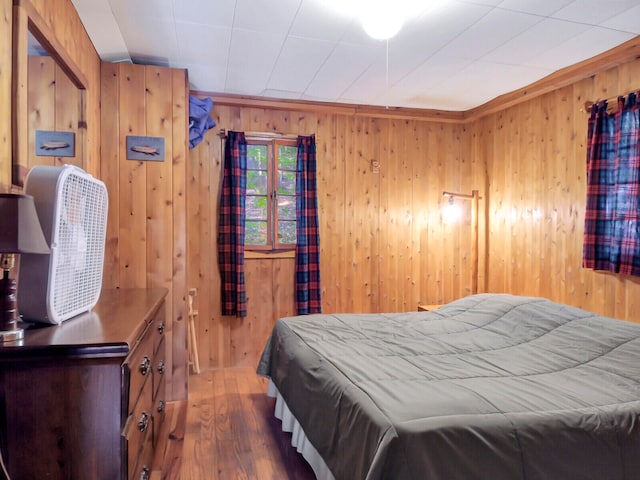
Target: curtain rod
{"points": [[223, 135], [612, 103]]}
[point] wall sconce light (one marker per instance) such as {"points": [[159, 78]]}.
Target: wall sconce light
{"points": [[20, 232], [474, 197]]}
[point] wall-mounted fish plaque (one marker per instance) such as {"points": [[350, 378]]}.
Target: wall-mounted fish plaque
{"points": [[55, 144], [145, 148]]}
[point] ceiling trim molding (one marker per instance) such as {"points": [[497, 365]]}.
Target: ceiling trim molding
{"points": [[623, 53]]}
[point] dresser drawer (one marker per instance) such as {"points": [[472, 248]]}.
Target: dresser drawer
{"points": [[138, 369], [138, 430]]}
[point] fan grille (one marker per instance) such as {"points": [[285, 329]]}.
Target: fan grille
{"points": [[76, 275]]}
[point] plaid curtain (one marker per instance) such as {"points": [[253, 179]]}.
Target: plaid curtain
{"points": [[231, 226], [308, 236], [612, 230]]}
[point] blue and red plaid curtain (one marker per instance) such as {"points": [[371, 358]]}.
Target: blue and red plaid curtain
{"points": [[231, 226], [612, 230], [308, 299]]}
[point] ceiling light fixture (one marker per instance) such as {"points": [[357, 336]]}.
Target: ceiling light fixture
{"points": [[382, 19]]}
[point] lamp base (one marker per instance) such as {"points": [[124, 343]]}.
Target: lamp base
{"points": [[11, 335], [9, 330]]}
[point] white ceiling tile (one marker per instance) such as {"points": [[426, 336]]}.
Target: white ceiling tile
{"points": [[581, 47], [207, 77], [252, 57], [490, 32], [345, 64], [438, 69], [535, 7], [628, 21], [371, 84], [424, 37], [535, 41], [140, 10], [315, 21], [298, 63], [206, 12], [265, 16], [217, 39], [594, 12]]}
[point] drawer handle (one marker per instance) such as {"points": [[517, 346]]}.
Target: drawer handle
{"points": [[161, 367], [161, 328], [143, 423], [145, 474], [161, 406], [145, 365]]}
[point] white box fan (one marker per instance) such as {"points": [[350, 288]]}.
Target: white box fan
{"points": [[72, 207]]}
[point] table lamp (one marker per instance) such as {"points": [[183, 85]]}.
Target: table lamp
{"points": [[20, 232]]}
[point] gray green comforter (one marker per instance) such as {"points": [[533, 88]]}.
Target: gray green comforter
{"points": [[487, 387]]}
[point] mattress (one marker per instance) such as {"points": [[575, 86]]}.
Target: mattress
{"points": [[487, 387]]}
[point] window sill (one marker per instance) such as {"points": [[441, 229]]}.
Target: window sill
{"points": [[253, 254]]}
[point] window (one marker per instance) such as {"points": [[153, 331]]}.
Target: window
{"points": [[270, 222]]}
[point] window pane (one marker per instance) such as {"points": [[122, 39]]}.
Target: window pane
{"points": [[287, 157], [255, 233], [286, 208], [287, 182], [287, 233], [257, 157], [256, 182], [256, 208]]}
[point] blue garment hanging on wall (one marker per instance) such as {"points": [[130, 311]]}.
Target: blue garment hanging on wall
{"points": [[199, 119]]}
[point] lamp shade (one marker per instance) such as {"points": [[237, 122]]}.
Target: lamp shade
{"points": [[20, 230]]}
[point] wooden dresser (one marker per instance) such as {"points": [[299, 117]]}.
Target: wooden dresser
{"points": [[85, 399]]}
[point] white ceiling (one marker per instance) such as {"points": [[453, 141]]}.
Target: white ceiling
{"points": [[455, 57]]}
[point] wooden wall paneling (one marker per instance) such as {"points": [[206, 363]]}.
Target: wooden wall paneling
{"points": [[41, 94], [180, 147], [331, 212], [580, 278], [6, 43], [110, 170], [248, 333], [133, 181], [67, 116], [284, 298], [534, 169], [501, 209], [425, 213], [418, 211], [396, 189], [451, 231], [195, 222], [362, 223], [158, 122]]}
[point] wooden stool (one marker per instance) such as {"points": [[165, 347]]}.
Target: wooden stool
{"points": [[191, 334]]}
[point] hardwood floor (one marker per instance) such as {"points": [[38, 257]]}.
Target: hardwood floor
{"points": [[227, 430]]}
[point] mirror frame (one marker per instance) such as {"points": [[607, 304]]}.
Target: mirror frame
{"points": [[26, 19]]}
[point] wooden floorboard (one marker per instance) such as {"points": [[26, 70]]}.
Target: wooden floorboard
{"points": [[226, 430]]}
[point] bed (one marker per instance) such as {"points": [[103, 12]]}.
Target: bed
{"points": [[490, 386]]}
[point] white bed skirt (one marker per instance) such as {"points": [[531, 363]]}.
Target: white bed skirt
{"points": [[298, 438]]}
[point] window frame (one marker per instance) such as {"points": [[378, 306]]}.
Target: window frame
{"points": [[272, 195]]}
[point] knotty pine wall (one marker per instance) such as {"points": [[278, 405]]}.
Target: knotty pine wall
{"points": [[383, 244], [146, 231], [535, 155]]}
